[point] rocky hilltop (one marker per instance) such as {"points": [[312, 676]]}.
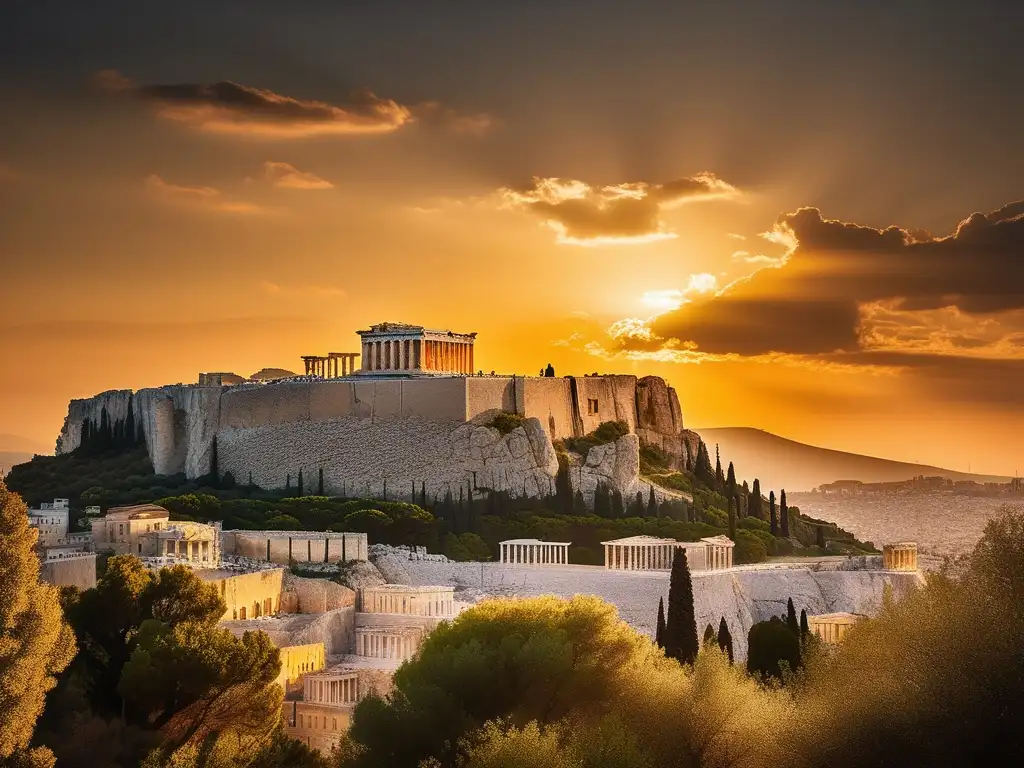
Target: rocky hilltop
{"points": [[374, 436]]}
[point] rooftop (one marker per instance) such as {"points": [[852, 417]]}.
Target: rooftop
{"points": [[836, 618], [641, 541], [535, 541], [138, 512]]}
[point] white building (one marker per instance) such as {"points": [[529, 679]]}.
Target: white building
{"points": [[534, 552], [52, 521], [650, 553]]}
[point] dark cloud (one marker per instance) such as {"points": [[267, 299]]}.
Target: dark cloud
{"points": [[231, 108], [847, 288], [617, 213]]}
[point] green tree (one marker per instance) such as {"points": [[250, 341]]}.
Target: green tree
{"points": [[771, 646], [784, 515], [196, 683], [602, 501], [732, 518], [709, 636], [320, 482], [719, 476], [730, 483], [791, 620], [724, 639], [773, 524], [659, 631], [618, 509], [36, 643], [652, 503], [680, 623], [754, 505], [536, 659], [805, 628]]}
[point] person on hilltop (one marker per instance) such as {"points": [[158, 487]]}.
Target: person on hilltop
{"points": [[549, 372]]}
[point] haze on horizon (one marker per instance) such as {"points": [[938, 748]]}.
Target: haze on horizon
{"points": [[772, 206]]}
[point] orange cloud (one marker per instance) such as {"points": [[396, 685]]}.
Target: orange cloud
{"points": [[288, 176], [204, 198], [626, 213]]}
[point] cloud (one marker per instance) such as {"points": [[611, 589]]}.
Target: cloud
{"points": [[625, 213], [233, 109], [203, 198], [850, 294], [288, 176], [758, 258]]}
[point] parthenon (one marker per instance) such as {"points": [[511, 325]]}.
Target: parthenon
{"points": [[650, 553], [398, 348]]}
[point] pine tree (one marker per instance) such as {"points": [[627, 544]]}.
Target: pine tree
{"points": [[719, 477], [754, 504], [680, 624], [37, 643], [709, 636], [725, 639], [652, 504], [784, 515], [320, 483], [659, 631], [732, 519], [805, 628], [791, 620]]}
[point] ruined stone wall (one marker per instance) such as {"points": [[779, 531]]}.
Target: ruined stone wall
{"points": [[295, 546], [335, 629], [302, 595], [78, 571]]}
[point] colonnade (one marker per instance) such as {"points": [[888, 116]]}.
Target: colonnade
{"points": [[453, 355], [337, 689], [406, 600], [195, 551], [900, 557], [626, 555], [333, 366], [388, 642], [534, 552]]}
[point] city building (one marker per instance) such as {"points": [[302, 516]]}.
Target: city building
{"points": [[52, 520], [831, 627], [145, 530]]}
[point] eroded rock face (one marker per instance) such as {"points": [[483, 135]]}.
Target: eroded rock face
{"points": [[616, 465], [302, 595], [115, 402], [660, 421]]}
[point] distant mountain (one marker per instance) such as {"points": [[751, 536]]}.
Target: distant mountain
{"points": [[782, 463], [269, 374], [9, 458], [9, 442]]}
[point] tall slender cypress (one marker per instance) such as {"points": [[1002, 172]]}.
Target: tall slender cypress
{"points": [[301, 491], [681, 624], [320, 483], [805, 628], [772, 514], [719, 477], [709, 636], [784, 514], [652, 504], [732, 519], [659, 630], [791, 621], [725, 639]]}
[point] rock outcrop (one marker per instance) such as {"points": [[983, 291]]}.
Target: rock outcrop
{"points": [[617, 466], [302, 595], [115, 403]]}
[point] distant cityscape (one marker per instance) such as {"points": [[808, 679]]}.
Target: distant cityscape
{"points": [[922, 484]]}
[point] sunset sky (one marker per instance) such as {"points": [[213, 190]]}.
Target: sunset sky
{"points": [[807, 216]]}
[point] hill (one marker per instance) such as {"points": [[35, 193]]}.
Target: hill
{"points": [[783, 463], [9, 458]]}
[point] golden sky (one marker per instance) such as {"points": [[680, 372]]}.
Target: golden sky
{"points": [[778, 216]]}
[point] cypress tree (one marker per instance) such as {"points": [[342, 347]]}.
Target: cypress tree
{"points": [[287, 484], [791, 621], [250, 478], [709, 636], [730, 481], [131, 433], [754, 502], [772, 514], [821, 536], [385, 489], [659, 630], [563, 490], [805, 628], [719, 477], [618, 508], [725, 639], [320, 483], [300, 486], [652, 504], [732, 518], [579, 505], [681, 624], [638, 505], [602, 501], [784, 515], [423, 494]]}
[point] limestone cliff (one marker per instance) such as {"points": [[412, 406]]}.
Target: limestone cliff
{"points": [[660, 419], [115, 402], [180, 424], [617, 466]]}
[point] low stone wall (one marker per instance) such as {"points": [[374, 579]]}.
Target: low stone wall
{"points": [[286, 547], [247, 595], [76, 571]]}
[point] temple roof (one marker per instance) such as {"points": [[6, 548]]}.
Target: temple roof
{"points": [[137, 512], [391, 327]]}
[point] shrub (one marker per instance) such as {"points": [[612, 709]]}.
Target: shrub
{"points": [[505, 422]]}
